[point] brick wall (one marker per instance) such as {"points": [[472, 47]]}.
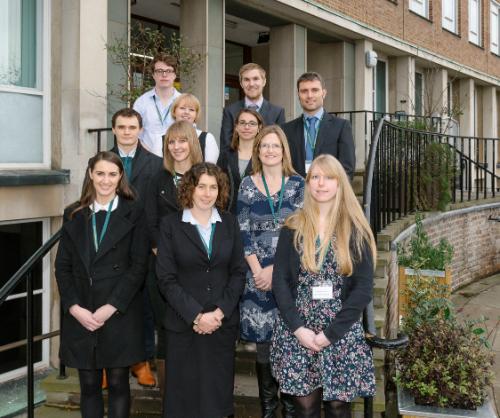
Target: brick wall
{"points": [[476, 241], [394, 18]]}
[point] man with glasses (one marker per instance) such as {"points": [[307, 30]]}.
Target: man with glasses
{"points": [[155, 105], [317, 132], [252, 81]]}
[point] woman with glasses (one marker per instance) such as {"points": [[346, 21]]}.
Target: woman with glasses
{"points": [[201, 274], [187, 107], [182, 151], [265, 199], [322, 282], [100, 267], [237, 160]]}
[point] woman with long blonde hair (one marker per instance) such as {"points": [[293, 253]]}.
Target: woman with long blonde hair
{"points": [[322, 281]]}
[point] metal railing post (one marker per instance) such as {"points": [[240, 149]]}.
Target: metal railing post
{"points": [[29, 347]]}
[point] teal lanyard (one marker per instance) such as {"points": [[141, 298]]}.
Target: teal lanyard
{"points": [[312, 141], [270, 200], [162, 120], [176, 179], [104, 227], [209, 246]]}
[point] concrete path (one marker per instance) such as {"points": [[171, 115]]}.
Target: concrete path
{"points": [[482, 298]]}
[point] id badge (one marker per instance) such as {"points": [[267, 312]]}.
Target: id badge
{"points": [[274, 242], [322, 291], [308, 165]]}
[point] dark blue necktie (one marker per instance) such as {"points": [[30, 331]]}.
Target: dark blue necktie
{"points": [[311, 137]]}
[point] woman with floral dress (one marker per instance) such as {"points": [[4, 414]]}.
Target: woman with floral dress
{"points": [[265, 199], [322, 281]]}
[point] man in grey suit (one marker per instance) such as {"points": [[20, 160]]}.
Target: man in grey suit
{"points": [[252, 81], [317, 132]]}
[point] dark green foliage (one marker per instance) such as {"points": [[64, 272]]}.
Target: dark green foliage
{"points": [[419, 253]]}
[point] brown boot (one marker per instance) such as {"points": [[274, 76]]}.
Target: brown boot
{"points": [[143, 373], [160, 373]]}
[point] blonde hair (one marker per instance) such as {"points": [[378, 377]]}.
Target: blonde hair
{"points": [[286, 164], [347, 225], [181, 129], [190, 100]]}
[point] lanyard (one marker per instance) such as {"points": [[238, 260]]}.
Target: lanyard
{"points": [[162, 120], [311, 141], [177, 179], [104, 227], [270, 200], [209, 246]]}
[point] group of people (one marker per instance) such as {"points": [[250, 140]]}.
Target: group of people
{"points": [[262, 240]]}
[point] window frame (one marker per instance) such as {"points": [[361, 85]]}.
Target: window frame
{"points": [[42, 89], [417, 10], [479, 22], [455, 17], [495, 5]]}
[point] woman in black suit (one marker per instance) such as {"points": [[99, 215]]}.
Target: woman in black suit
{"points": [[100, 266], [201, 273], [236, 161]]}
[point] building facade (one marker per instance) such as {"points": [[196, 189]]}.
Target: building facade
{"points": [[433, 57]]}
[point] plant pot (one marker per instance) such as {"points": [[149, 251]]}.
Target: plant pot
{"points": [[443, 279], [408, 409]]}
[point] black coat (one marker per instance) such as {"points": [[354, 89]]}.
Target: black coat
{"points": [[334, 138], [272, 115], [113, 276], [161, 200], [228, 161], [355, 294], [145, 165]]}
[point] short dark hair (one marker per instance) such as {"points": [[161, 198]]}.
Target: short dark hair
{"points": [[311, 76], [126, 112], [167, 59], [191, 179]]}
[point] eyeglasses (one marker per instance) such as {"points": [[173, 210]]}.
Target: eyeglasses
{"points": [[168, 71], [270, 146], [251, 124]]}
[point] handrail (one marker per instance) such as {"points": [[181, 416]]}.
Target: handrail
{"points": [[99, 131], [28, 266]]}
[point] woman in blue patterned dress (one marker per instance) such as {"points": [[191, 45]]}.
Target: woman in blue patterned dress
{"points": [[322, 281], [265, 199]]}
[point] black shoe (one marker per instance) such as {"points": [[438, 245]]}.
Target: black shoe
{"points": [[268, 390]]}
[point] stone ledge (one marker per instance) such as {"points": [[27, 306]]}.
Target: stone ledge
{"points": [[12, 178]]}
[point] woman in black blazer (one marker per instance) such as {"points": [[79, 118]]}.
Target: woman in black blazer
{"points": [[322, 281], [100, 267], [236, 161], [201, 270]]}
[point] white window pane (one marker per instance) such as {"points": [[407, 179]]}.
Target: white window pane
{"points": [[21, 121], [449, 15], [18, 43], [494, 33], [419, 6], [474, 21]]}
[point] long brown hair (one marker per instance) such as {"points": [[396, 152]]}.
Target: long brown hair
{"points": [[88, 190], [286, 163], [235, 140], [347, 226], [181, 129]]}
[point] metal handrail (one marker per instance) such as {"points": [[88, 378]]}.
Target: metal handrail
{"points": [[99, 131]]}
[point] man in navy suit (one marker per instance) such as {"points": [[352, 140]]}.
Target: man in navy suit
{"points": [[252, 81], [317, 132]]}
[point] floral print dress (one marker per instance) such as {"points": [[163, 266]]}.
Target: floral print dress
{"points": [[260, 233], [344, 369]]}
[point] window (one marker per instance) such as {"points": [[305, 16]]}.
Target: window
{"points": [[449, 15], [420, 7], [494, 30], [24, 82], [475, 22]]}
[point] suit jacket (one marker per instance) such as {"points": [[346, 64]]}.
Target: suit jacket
{"points": [[355, 294], [144, 166], [334, 138], [161, 200], [272, 115], [228, 161], [190, 281], [113, 276]]}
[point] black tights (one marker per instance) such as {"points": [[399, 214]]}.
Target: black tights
{"points": [[92, 404], [309, 406]]}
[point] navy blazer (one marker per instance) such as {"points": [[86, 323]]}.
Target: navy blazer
{"points": [[356, 292], [272, 115], [190, 281], [334, 138]]}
